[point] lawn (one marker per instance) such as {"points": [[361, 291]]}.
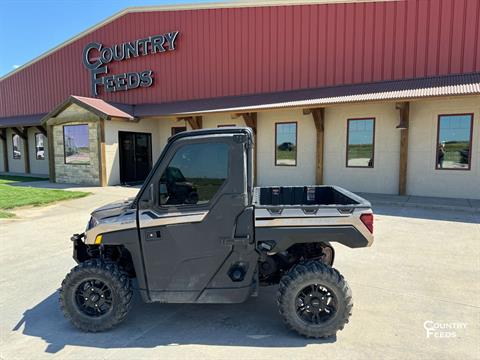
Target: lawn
{"points": [[5, 179], [453, 151], [12, 195], [286, 155], [362, 151]]}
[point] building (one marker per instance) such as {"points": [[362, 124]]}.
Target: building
{"points": [[374, 96]]}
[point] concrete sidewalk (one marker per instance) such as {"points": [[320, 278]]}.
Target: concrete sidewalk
{"points": [[469, 205]]}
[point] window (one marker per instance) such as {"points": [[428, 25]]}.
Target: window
{"points": [[178, 129], [360, 142], [286, 144], [17, 146], [76, 144], [40, 146], [454, 142], [194, 175]]}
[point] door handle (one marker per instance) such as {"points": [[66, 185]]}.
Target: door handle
{"points": [[236, 240], [152, 235]]}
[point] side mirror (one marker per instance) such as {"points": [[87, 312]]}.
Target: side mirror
{"points": [[162, 193], [149, 199], [151, 194]]}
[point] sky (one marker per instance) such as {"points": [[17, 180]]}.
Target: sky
{"points": [[28, 28]]}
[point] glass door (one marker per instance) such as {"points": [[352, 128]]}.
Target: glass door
{"points": [[135, 151]]}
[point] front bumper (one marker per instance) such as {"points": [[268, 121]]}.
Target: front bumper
{"points": [[80, 251]]}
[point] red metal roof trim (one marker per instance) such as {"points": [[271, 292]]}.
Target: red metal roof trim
{"points": [[452, 85], [102, 106]]}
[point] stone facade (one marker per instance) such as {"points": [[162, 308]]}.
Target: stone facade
{"points": [[77, 173]]}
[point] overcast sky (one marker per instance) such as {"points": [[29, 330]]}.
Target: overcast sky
{"points": [[28, 28]]}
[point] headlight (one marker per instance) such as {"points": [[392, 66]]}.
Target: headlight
{"points": [[92, 223]]}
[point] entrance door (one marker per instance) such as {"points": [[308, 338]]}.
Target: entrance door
{"points": [[135, 156], [199, 191]]}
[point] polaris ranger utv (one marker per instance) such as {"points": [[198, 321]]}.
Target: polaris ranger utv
{"points": [[199, 232]]}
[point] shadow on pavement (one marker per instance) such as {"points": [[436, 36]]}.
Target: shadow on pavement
{"points": [[254, 323]]}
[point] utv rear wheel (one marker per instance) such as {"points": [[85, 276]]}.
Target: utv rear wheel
{"points": [[314, 299], [96, 295]]}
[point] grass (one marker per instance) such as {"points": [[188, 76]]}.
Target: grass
{"points": [[286, 155], [362, 151], [6, 215], [206, 188], [5, 179], [15, 196], [452, 151]]}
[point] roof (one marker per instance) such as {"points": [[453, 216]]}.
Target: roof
{"points": [[99, 107], [26, 120], [179, 7], [451, 85], [103, 108]]}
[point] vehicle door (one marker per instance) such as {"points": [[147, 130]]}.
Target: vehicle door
{"points": [[196, 192]]}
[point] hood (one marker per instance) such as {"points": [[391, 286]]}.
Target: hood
{"points": [[113, 209]]}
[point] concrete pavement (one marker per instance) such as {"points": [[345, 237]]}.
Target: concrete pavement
{"points": [[426, 202], [423, 266]]}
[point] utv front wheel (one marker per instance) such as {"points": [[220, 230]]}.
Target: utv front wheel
{"points": [[96, 295], [314, 300]]}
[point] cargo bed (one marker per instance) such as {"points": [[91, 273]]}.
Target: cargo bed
{"points": [[288, 214], [307, 196]]}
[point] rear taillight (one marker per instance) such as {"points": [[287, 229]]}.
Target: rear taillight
{"points": [[367, 220]]}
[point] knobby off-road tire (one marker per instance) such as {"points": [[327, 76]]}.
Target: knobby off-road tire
{"points": [[96, 295], [314, 299]]}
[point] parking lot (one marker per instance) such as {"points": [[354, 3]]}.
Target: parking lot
{"points": [[422, 271]]}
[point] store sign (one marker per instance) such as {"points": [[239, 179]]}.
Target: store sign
{"points": [[96, 57]]}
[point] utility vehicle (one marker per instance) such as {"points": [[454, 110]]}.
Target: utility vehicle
{"points": [[199, 232]]}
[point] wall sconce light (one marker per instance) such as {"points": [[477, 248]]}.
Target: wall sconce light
{"points": [[404, 113]]}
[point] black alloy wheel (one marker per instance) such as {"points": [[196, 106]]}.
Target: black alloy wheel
{"points": [[314, 299], [96, 295], [93, 298], [316, 304]]}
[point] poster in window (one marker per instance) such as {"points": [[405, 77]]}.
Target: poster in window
{"points": [[17, 145], [76, 142], [40, 146]]}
